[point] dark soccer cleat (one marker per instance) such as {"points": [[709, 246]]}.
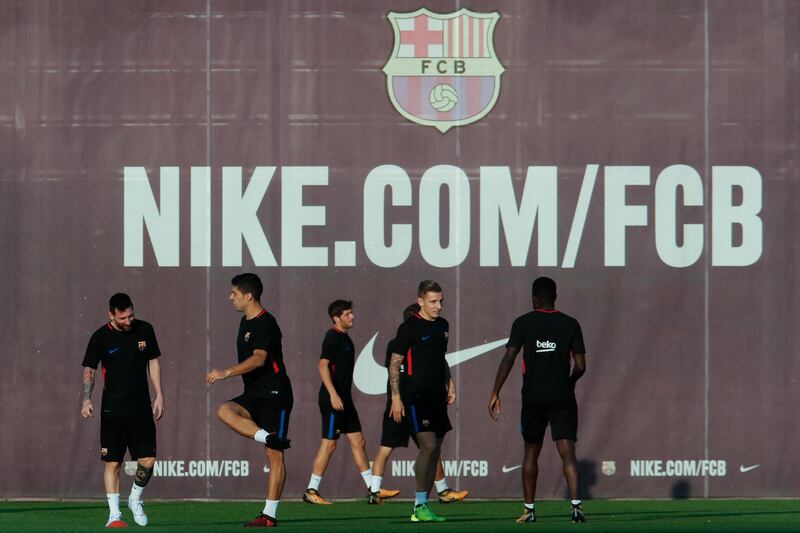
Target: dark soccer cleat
{"points": [[528, 515], [262, 520], [278, 443], [312, 496], [577, 514], [450, 495], [374, 498]]}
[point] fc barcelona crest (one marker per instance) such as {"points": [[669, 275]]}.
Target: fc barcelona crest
{"points": [[443, 71]]}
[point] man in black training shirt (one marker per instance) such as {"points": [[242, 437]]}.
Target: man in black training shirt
{"points": [[262, 412], [336, 405], [548, 339], [420, 348], [395, 435], [128, 350]]}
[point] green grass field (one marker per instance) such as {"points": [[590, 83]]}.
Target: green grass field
{"points": [[729, 516]]}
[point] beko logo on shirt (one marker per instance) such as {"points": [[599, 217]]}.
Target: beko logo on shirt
{"points": [[545, 346]]}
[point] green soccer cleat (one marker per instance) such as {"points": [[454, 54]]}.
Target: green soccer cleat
{"points": [[423, 513]]}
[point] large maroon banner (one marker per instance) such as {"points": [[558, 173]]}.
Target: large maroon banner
{"points": [[643, 154]]}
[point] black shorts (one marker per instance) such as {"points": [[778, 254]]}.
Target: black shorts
{"points": [[134, 433], [334, 422], [562, 417], [393, 434], [270, 415], [424, 415]]}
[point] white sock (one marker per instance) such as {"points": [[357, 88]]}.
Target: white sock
{"points": [[271, 508], [367, 476], [261, 436], [113, 504], [441, 485], [136, 491], [575, 502], [375, 486], [529, 505], [314, 482]]}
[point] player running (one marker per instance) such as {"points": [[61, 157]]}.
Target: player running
{"points": [[336, 407], [548, 338], [128, 350], [396, 434], [420, 347], [262, 412]]}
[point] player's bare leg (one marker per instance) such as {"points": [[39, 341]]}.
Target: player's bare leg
{"points": [[144, 471], [530, 470], [566, 449], [277, 473], [321, 460], [111, 482], [238, 419], [380, 459], [358, 445], [111, 477]]}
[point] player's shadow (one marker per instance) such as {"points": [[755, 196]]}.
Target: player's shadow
{"points": [[681, 490], [587, 477]]}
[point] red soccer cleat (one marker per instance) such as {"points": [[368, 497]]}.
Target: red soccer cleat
{"points": [[262, 520]]}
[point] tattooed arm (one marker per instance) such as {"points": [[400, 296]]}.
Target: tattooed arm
{"points": [[398, 411], [88, 386]]}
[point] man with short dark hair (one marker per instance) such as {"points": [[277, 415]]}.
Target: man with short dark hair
{"points": [[262, 412], [549, 339], [128, 351], [420, 347], [336, 407], [395, 435]]}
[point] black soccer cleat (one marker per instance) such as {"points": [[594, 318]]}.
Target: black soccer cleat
{"points": [[278, 443], [374, 498], [577, 514]]}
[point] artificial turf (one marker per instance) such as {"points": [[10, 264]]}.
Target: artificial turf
{"points": [[728, 516]]}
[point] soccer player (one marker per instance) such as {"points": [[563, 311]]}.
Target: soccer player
{"points": [[548, 338], [128, 350], [395, 435], [336, 405], [420, 347], [262, 412]]}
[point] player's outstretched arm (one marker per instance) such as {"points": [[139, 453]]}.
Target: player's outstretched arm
{"points": [[506, 364], [88, 387], [256, 360], [155, 378]]}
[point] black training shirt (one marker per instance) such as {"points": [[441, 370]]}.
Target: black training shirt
{"points": [[337, 347], [548, 339], [262, 333], [124, 356], [423, 345]]}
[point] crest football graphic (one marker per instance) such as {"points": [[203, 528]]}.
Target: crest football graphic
{"points": [[443, 70]]}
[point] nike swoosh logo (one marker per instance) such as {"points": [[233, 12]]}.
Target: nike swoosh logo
{"points": [[744, 469], [507, 469], [426, 337], [370, 377], [113, 350]]}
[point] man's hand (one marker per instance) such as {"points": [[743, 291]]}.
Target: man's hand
{"points": [[86, 409], [158, 407], [217, 375], [451, 393], [494, 406], [398, 410], [336, 402]]}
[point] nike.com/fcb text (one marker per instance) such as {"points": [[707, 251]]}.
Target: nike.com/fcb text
{"points": [[678, 468]]}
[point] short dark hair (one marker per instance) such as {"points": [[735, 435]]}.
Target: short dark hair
{"points": [[410, 311], [337, 307], [427, 286], [544, 290], [248, 283], [119, 302]]}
